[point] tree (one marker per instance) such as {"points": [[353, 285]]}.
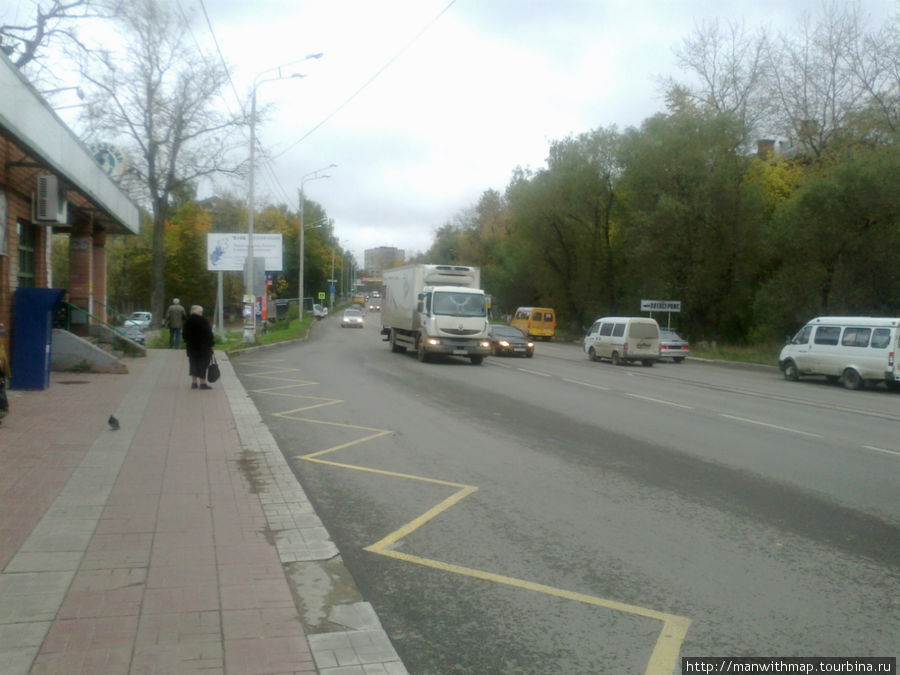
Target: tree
{"points": [[54, 24], [835, 236], [562, 220], [728, 67], [160, 100], [690, 227]]}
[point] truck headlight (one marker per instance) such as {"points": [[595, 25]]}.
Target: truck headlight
{"points": [[485, 344], [433, 341]]}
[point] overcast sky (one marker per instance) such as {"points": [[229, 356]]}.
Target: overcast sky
{"points": [[484, 88]]}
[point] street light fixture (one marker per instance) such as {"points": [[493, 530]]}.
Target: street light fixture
{"points": [[313, 175], [250, 326]]}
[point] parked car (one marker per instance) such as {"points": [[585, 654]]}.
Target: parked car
{"points": [[142, 319], [134, 331], [509, 341], [319, 312], [671, 345], [352, 318]]}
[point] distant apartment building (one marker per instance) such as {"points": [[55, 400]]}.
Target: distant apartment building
{"points": [[377, 259]]}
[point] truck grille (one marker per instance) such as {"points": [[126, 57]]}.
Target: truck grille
{"points": [[456, 331]]}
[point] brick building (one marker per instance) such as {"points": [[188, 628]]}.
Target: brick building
{"points": [[49, 182]]}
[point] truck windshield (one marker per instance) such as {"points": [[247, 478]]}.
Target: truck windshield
{"points": [[458, 304]]}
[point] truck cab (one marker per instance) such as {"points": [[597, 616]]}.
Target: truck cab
{"points": [[449, 318]]}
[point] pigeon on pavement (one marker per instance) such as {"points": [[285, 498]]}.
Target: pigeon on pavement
{"points": [[113, 423]]}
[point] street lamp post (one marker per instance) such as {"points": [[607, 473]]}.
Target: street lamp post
{"points": [[250, 326], [313, 175]]}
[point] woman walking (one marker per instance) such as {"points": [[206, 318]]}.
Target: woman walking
{"points": [[199, 339]]}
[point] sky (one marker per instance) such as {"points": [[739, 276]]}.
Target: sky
{"points": [[425, 104]]}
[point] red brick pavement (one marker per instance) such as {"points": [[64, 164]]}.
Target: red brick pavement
{"points": [[177, 574]]}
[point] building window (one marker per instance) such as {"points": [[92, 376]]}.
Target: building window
{"points": [[27, 244]]}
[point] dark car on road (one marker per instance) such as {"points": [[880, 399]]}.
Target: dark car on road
{"points": [[509, 341]]}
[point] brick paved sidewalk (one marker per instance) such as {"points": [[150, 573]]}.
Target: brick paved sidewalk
{"points": [[162, 547], [137, 550]]}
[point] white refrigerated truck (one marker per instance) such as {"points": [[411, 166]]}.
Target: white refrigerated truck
{"points": [[435, 309]]}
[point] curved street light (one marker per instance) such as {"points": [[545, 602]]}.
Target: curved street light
{"points": [[312, 175], [250, 326]]}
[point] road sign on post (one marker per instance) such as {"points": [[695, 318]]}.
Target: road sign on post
{"points": [[660, 305]]}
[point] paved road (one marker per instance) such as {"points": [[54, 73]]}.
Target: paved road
{"points": [[553, 514]]}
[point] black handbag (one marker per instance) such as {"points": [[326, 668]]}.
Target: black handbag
{"points": [[213, 373]]}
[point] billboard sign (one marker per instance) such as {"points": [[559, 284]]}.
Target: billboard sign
{"points": [[228, 252]]}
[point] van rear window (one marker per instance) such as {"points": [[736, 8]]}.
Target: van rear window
{"points": [[856, 337], [643, 331], [827, 335]]}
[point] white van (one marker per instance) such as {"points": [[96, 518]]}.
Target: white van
{"points": [[852, 350], [623, 338]]}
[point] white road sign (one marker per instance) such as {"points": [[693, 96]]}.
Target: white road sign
{"points": [[227, 252], [660, 305]]}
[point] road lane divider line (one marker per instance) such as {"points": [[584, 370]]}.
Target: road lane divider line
{"points": [[659, 400], [586, 384], [534, 372], [884, 450], [665, 653], [771, 426]]}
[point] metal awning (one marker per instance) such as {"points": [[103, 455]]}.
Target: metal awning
{"points": [[39, 142]]}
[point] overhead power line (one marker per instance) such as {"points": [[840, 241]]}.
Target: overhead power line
{"points": [[375, 76]]}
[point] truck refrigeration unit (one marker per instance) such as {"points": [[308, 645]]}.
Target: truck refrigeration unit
{"points": [[435, 309]]}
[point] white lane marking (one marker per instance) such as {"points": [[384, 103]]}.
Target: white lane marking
{"points": [[659, 400], [585, 384], [771, 426], [534, 372], [887, 452]]}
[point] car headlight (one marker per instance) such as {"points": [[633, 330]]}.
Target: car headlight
{"points": [[530, 345], [504, 343]]}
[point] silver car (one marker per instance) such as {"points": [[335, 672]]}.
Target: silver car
{"points": [[671, 345], [352, 318]]}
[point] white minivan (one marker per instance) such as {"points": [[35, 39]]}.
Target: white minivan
{"points": [[852, 350], [622, 339]]}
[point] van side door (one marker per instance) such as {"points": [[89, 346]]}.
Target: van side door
{"points": [[800, 349], [824, 351], [615, 338]]}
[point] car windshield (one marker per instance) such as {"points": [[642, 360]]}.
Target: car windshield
{"points": [[352, 312], [508, 331], [458, 304]]}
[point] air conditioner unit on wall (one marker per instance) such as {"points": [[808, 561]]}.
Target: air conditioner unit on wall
{"points": [[51, 200]]}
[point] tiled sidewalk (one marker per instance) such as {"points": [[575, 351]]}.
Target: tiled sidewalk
{"points": [[151, 549]]}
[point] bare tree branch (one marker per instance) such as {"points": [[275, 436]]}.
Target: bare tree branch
{"points": [[160, 100]]}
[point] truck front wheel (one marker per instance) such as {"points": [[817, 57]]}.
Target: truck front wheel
{"points": [[421, 354], [476, 360]]}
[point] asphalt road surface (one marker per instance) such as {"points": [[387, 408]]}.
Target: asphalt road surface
{"points": [[557, 515]]}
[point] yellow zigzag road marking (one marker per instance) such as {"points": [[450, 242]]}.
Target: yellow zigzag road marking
{"points": [[664, 657]]}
